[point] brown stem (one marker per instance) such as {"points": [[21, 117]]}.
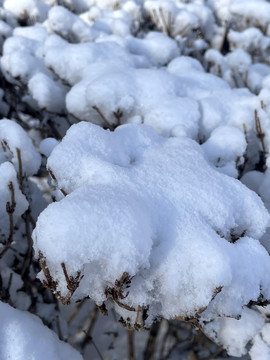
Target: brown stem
{"points": [[259, 131], [20, 166], [93, 319], [28, 256], [10, 208], [130, 336], [109, 126], [149, 352]]}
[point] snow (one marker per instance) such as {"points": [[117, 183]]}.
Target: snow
{"points": [[249, 39], [69, 61], [135, 205], [224, 147], [49, 94], [259, 350], [65, 23], [13, 139], [23, 336], [256, 11], [235, 334], [47, 145], [158, 48], [27, 9], [182, 89]]}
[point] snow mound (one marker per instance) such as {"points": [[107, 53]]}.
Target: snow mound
{"points": [[23, 336], [152, 215], [17, 147]]}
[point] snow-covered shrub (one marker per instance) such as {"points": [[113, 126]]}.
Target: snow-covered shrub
{"points": [[151, 207], [142, 213]]}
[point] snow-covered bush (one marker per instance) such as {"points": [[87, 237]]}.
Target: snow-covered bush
{"points": [[135, 145], [140, 209]]}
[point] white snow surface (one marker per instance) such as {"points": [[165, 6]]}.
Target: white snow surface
{"points": [[35, 10], [225, 146], [234, 334], [14, 138], [23, 336], [47, 145], [155, 208]]}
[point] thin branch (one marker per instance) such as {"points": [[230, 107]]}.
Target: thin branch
{"points": [[130, 336], [10, 208], [75, 311], [20, 167], [149, 352], [260, 133], [109, 126], [93, 319], [28, 256], [95, 346]]}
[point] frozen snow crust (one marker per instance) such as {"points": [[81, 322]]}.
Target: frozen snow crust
{"points": [[155, 209]]}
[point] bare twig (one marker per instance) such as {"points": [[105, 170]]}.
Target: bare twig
{"points": [[20, 167], [95, 346], [149, 352], [60, 335], [72, 284], [28, 256], [75, 311], [115, 294], [10, 208], [93, 319], [50, 283], [166, 26], [109, 126], [260, 133], [130, 335]]}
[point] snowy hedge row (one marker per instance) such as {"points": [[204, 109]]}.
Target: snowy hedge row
{"points": [[162, 112]]}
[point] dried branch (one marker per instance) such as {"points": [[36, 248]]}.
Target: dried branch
{"points": [[28, 256], [10, 208], [166, 25], [102, 308], [130, 336], [18, 151], [93, 319], [195, 320], [95, 346], [149, 352], [72, 284], [115, 294], [260, 133], [109, 126], [50, 283], [118, 115], [75, 311]]}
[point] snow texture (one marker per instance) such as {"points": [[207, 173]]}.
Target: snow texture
{"points": [[23, 336], [234, 334], [15, 146], [156, 209]]}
